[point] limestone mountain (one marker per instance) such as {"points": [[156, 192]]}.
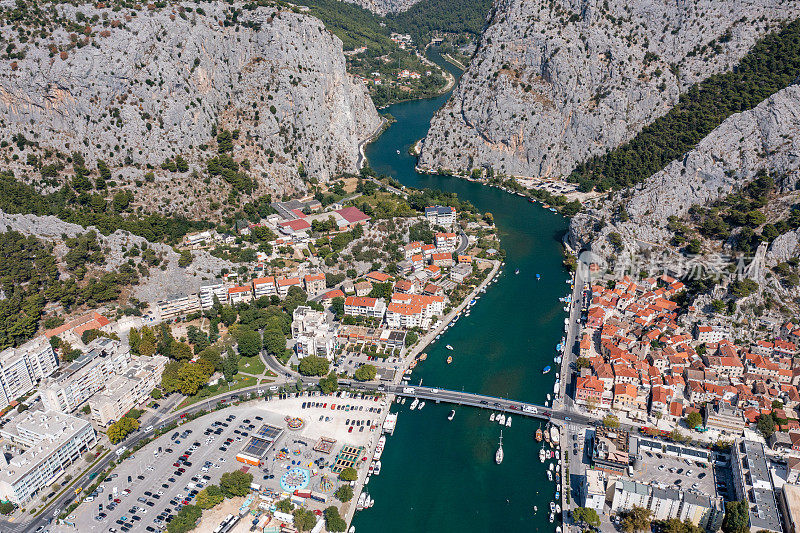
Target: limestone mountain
{"points": [[164, 88], [556, 82]]}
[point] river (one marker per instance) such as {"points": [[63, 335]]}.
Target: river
{"points": [[440, 475]]}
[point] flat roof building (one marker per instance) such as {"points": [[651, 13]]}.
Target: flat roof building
{"points": [[752, 481], [51, 441], [610, 449], [127, 390], [21, 368], [85, 376]]}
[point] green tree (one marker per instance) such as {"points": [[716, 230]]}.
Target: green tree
{"points": [[365, 373], [235, 483], [249, 342], [611, 421], [586, 515], [582, 362], [344, 493], [313, 365], [337, 305], [209, 497], [329, 384], [333, 520], [737, 519], [285, 506], [411, 338], [694, 419], [274, 341], [636, 519], [304, 519], [156, 394], [120, 429], [348, 474], [766, 425], [185, 259], [185, 520]]}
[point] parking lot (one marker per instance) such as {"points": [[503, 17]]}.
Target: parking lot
{"points": [[672, 471], [147, 489]]}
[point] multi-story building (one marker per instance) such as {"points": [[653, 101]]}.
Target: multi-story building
{"points": [[284, 284], [313, 334], [789, 501], [51, 442], [264, 287], [666, 503], [85, 376], [594, 490], [209, 290], [724, 417], [363, 288], [127, 390], [446, 242], [364, 306], [21, 368], [440, 215], [178, 304], [242, 294], [752, 483], [460, 272], [628, 494], [315, 284], [610, 450], [709, 334]]}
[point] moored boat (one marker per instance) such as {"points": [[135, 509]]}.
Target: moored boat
{"points": [[449, 359], [539, 434], [508, 421], [491, 417], [414, 404], [448, 347], [501, 419], [451, 415], [498, 455], [546, 370]]}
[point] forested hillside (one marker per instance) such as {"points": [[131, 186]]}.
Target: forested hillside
{"points": [[772, 64]]}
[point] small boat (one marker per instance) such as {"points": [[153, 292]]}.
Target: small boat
{"points": [[551, 468], [535, 509], [548, 397], [554, 434], [362, 499], [423, 356], [366, 480], [377, 470], [552, 517], [398, 152], [558, 508], [538, 277], [552, 506], [491, 417], [413, 364], [448, 347], [353, 529], [451, 415], [449, 359], [414, 404], [558, 529], [371, 469], [541, 455], [403, 401], [501, 419], [508, 421], [539, 434], [516, 271], [546, 370], [421, 405], [549, 476], [498, 455]]}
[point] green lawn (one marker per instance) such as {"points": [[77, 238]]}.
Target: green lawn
{"points": [[252, 365], [241, 382]]}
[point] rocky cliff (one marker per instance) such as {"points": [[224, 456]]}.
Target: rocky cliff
{"points": [[139, 85], [766, 138], [554, 82], [384, 7]]}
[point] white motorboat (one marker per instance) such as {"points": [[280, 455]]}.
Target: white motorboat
{"points": [[508, 421], [552, 517], [552, 467], [377, 470], [549, 476], [501, 419], [451, 415], [552, 506], [421, 405], [491, 417], [414, 404], [541, 455], [558, 508], [448, 347]]}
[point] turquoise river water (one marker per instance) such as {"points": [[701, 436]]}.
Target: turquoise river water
{"points": [[440, 475]]}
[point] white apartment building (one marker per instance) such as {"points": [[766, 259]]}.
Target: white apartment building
{"points": [[440, 215], [264, 287], [315, 284], [238, 295], [21, 368], [460, 272], [709, 334], [210, 289], [176, 305], [127, 390], [51, 441], [66, 391], [364, 306], [594, 490], [313, 334], [446, 242], [284, 284]]}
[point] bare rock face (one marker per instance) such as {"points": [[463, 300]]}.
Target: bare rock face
{"points": [[555, 82], [144, 85], [384, 7]]}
